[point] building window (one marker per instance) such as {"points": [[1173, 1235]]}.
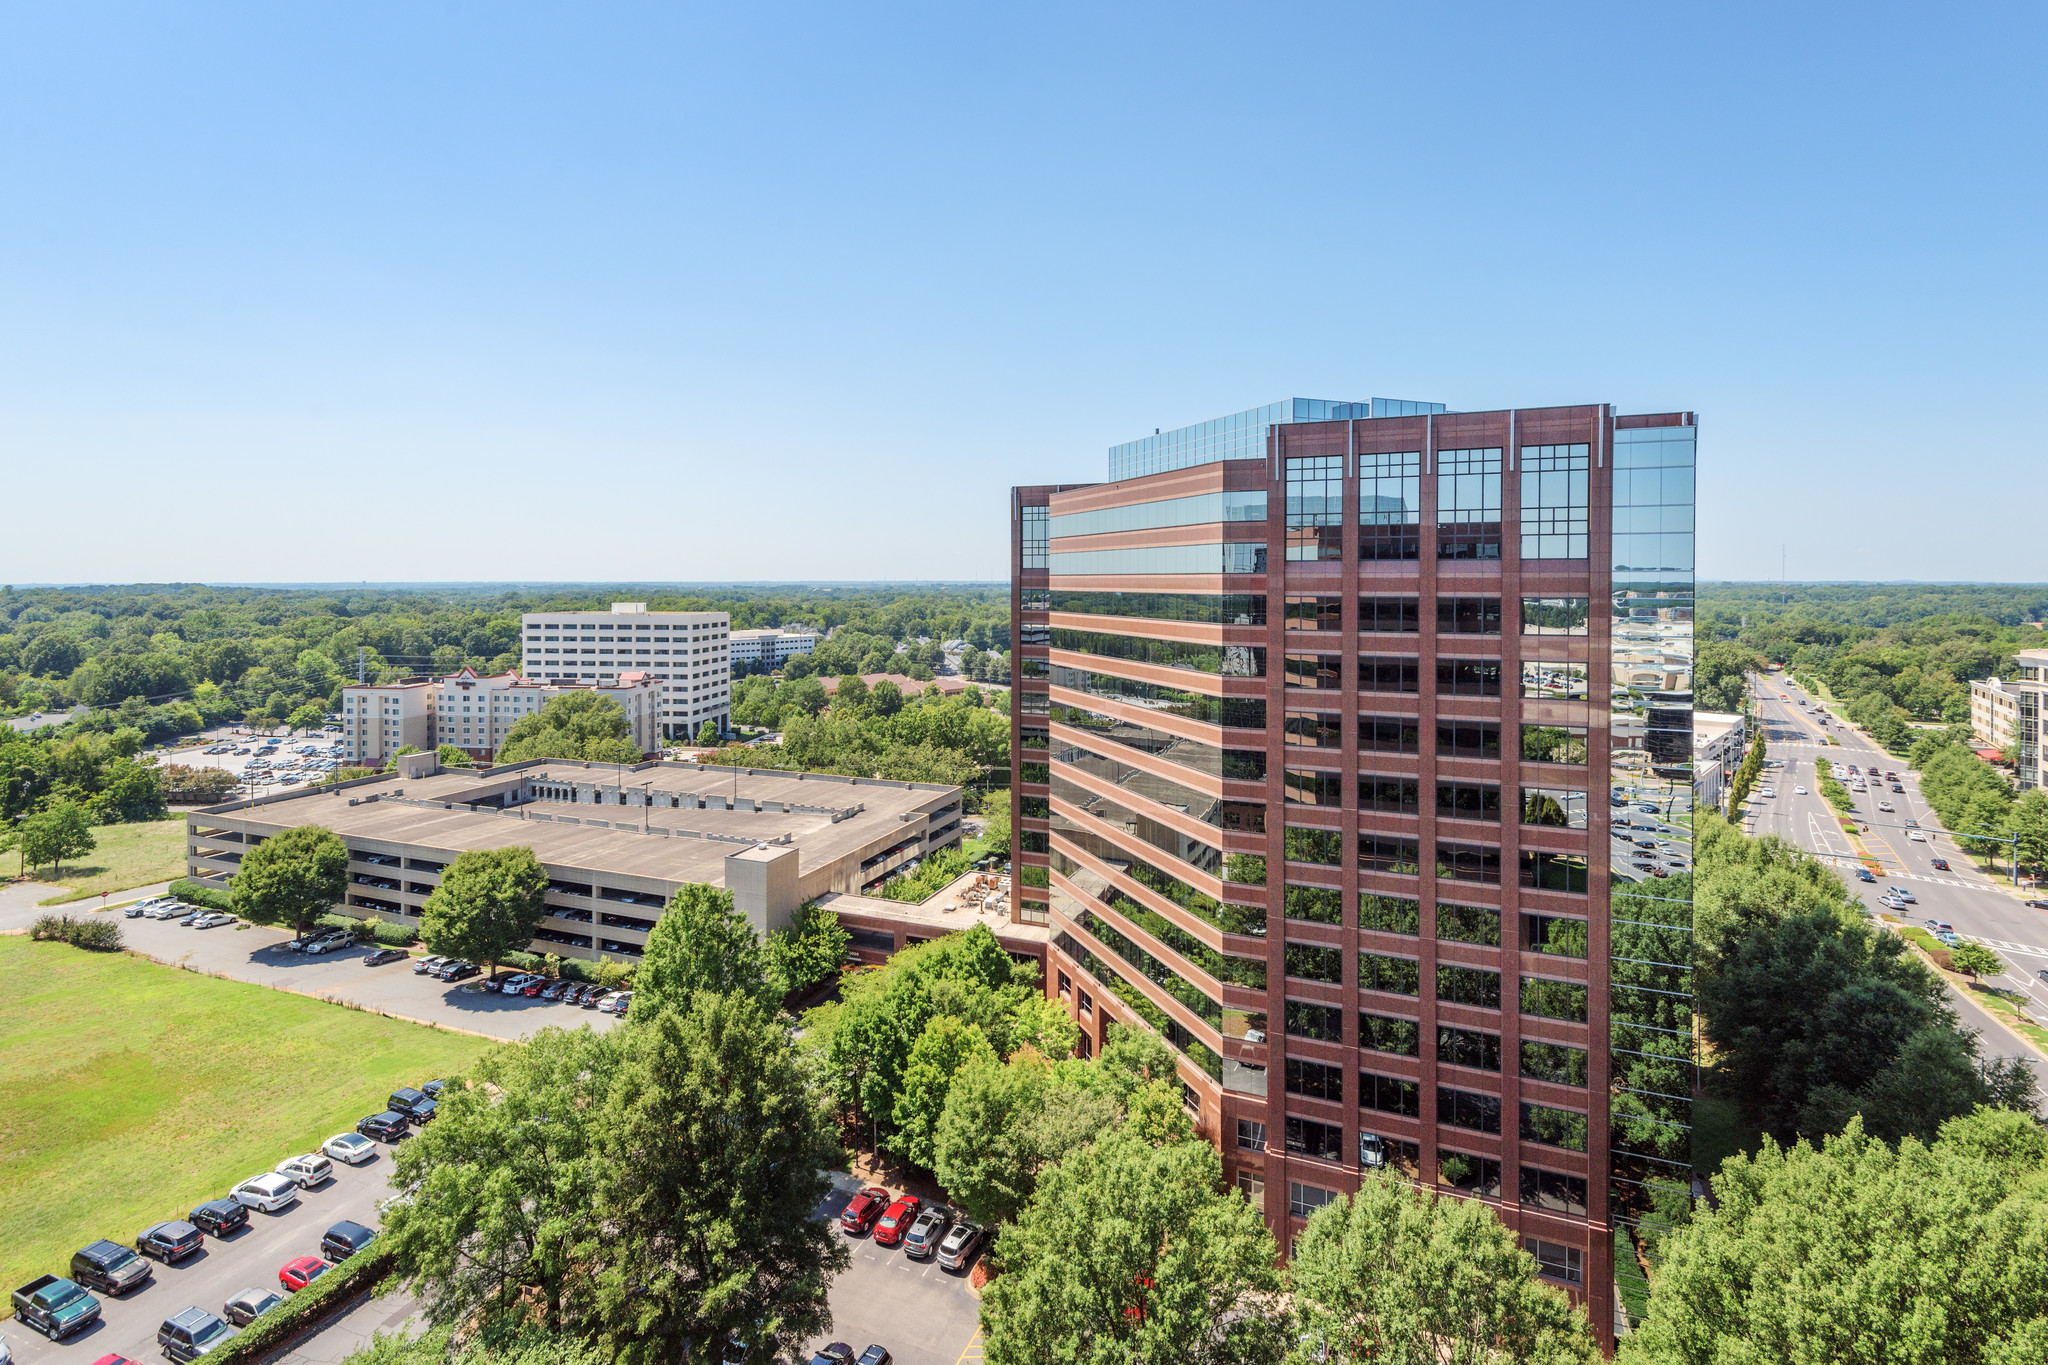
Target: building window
{"points": [[1310, 962], [1468, 677], [1318, 1023], [1324, 1141], [1554, 744], [1468, 616], [1066, 985], [1554, 807], [1478, 924], [1389, 615], [1394, 975], [1468, 863], [1319, 671], [1469, 1048], [1389, 914], [1468, 504], [1310, 730], [1547, 999], [1389, 734], [1468, 801], [1549, 681], [1379, 1152], [1390, 505], [1555, 935], [1314, 904], [1389, 1095], [1466, 1109], [1383, 853], [1554, 871], [1468, 739], [1315, 508], [1305, 845], [1251, 1184], [1554, 501], [1554, 1261], [1303, 1200], [1316, 1081], [1554, 1062], [1389, 795], [1473, 986], [1389, 673], [1251, 1135], [1312, 787], [1387, 1033], [1087, 1005], [1315, 613], [1468, 1174], [1034, 536]]}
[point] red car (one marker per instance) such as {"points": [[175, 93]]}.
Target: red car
{"points": [[536, 986], [860, 1215], [301, 1271], [116, 1360], [897, 1220]]}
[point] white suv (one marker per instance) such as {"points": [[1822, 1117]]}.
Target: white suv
{"points": [[516, 984]]}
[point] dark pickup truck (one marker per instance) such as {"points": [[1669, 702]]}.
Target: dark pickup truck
{"points": [[55, 1307]]}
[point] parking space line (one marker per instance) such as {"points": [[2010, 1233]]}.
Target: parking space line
{"points": [[972, 1351]]}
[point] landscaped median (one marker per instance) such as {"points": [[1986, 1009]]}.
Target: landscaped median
{"points": [[2001, 1004], [309, 1309]]}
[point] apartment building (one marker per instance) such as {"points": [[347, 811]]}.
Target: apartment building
{"points": [[2007, 712], [380, 719], [1314, 716], [475, 712], [772, 647], [686, 652]]}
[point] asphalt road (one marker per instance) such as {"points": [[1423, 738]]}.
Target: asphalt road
{"points": [[249, 1259], [49, 718], [1981, 908]]}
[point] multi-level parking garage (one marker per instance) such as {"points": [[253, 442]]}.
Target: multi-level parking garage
{"points": [[617, 841]]}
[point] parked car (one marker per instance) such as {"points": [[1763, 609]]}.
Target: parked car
{"points": [[554, 990], [55, 1307], [299, 1272], [108, 1267], [895, 1220], [2037, 905], [533, 988], [1940, 926], [249, 1305], [345, 1239], [170, 1242], [516, 985], [618, 1003], [593, 997], [191, 1333], [306, 1171], [423, 1112], [268, 1192], [1902, 893], [456, 971], [353, 1148], [404, 1098], [862, 1210], [219, 1217], [834, 1353], [428, 965], [384, 955], [874, 1355], [1948, 940], [385, 1127], [329, 941], [925, 1230], [962, 1240], [432, 1089]]}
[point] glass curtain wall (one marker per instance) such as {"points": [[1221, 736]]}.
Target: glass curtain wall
{"points": [[1652, 1050]]}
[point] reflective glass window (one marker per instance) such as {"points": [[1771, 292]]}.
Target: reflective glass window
{"points": [[1390, 505], [1315, 508], [1468, 505], [1554, 500]]}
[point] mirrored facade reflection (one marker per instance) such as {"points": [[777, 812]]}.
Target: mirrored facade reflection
{"points": [[1242, 435], [1652, 1054]]}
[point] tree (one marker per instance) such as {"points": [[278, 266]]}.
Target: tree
{"points": [[293, 877], [700, 943], [309, 716], [711, 1168], [1397, 1273], [1132, 1252], [1857, 1251], [504, 1185], [51, 656], [946, 1045], [451, 756], [885, 698], [573, 725], [707, 735], [1976, 960], [805, 694], [851, 698], [61, 830], [812, 948], [488, 904], [496, 1344]]}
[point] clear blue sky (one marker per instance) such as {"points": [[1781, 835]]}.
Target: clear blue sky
{"points": [[481, 291]]}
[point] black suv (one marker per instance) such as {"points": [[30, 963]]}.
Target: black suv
{"points": [[219, 1217], [385, 1127], [404, 1099], [109, 1267], [168, 1242], [345, 1239], [192, 1333]]}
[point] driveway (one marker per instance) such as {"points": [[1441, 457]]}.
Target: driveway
{"points": [[256, 954]]}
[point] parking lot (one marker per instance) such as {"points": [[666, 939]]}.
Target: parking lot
{"points": [[922, 1314], [257, 954], [248, 1258], [245, 756]]}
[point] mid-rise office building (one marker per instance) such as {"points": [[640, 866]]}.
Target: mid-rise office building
{"points": [[686, 653], [1325, 740], [475, 712], [771, 647], [379, 719], [2006, 713]]}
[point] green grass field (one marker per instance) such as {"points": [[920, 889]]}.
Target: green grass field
{"points": [[134, 1091], [128, 855]]}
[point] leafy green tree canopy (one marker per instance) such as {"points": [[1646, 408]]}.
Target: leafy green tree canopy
{"points": [[700, 944], [293, 877], [488, 904], [573, 725]]}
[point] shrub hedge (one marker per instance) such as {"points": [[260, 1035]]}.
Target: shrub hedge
{"points": [[192, 893], [304, 1308], [95, 935]]}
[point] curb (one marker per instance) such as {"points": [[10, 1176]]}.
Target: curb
{"points": [[1961, 993]]}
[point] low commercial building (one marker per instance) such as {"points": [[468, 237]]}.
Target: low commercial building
{"points": [[771, 647], [618, 841], [2007, 713], [685, 652]]}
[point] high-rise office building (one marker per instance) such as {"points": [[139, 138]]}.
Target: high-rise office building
{"points": [[686, 652], [1348, 761]]}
